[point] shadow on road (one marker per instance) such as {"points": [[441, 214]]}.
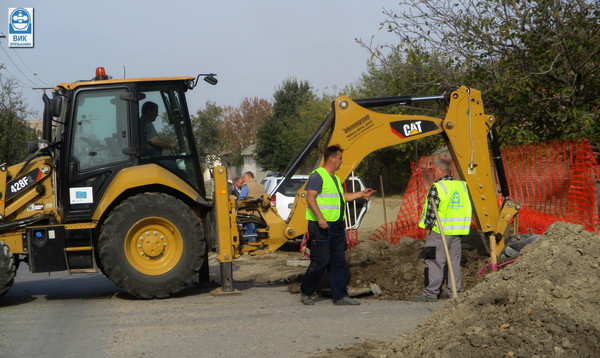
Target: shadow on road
{"points": [[62, 286], [29, 287]]}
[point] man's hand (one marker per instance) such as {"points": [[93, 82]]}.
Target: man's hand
{"points": [[323, 223], [367, 193], [311, 201]]}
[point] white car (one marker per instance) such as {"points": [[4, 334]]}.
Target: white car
{"points": [[283, 200]]}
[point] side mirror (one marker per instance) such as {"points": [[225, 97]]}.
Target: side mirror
{"points": [[41, 145], [32, 147], [56, 105], [208, 77], [211, 79]]}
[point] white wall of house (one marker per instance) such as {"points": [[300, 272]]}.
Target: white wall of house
{"points": [[248, 165]]}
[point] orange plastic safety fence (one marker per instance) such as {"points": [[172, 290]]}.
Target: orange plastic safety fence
{"points": [[553, 181], [406, 223]]}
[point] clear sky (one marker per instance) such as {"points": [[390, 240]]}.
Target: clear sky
{"points": [[252, 46]]}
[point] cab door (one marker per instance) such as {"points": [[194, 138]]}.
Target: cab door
{"points": [[171, 124], [99, 133]]}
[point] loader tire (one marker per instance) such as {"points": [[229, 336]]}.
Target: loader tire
{"points": [[8, 269], [151, 245]]}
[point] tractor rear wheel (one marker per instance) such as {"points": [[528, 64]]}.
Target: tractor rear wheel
{"points": [[8, 269], [151, 245]]}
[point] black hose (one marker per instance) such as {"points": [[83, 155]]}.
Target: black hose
{"points": [[499, 163]]}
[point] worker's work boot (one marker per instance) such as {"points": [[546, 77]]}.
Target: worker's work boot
{"points": [[346, 301], [424, 299], [306, 300]]}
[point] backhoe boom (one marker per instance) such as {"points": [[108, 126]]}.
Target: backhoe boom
{"points": [[361, 131]]}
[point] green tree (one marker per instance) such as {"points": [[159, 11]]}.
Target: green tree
{"points": [[412, 72], [537, 62], [206, 126], [14, 130], [277, 137], [310, 115]]}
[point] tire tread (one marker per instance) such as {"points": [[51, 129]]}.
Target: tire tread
{"points": [[8, 269], [112, 255]]}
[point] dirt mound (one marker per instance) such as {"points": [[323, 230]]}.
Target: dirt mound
{"points": [[394, 268], [544, 304], [398, 269]]}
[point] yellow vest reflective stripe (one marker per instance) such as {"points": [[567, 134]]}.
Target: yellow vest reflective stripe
{"points": [[328, 199], [455, 208]]}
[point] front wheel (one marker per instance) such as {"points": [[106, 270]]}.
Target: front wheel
{"points": [[151, 245], [8, 269]]}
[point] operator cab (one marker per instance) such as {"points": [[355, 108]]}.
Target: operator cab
{"points": [[96, 129]]}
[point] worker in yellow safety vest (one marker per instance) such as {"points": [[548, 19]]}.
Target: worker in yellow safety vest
{"points": [[326, 201], [451, 198]]}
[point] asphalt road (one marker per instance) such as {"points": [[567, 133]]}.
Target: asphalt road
{"points": [[84, 315]]}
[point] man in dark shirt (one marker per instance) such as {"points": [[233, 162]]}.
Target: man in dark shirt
{"points": [[326, 201], [155, 143], [236, 187]]}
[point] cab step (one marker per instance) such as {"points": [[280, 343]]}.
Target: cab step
{"points": [[55, 248], [83, 271], [79, 251]]}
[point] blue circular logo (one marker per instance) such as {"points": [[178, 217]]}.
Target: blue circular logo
{"points": [[20, 20]]}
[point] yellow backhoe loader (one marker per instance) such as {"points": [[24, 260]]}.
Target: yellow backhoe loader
{"points": [[114, 184]]}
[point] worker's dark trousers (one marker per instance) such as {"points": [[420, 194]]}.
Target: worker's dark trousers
{"points": [[435, 262], [326, 254]]}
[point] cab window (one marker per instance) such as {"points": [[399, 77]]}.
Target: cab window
{"points": [[100, 129], [164, 132]]}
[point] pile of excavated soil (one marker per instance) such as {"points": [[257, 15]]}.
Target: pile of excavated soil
{"points": [[546, 303], [398, 269]]}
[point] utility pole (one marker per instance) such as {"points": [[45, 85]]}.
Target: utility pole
{"points": [[2, 36]]}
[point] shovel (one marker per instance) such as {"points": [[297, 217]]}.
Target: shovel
{"points": [[450, 267]]}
